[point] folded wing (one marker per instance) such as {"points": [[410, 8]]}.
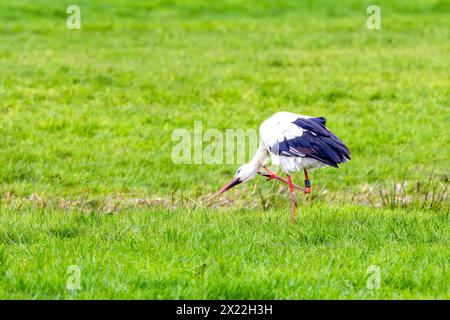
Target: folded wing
{"points": [[315, 141]]}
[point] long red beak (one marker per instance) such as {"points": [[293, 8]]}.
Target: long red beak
{"points": [[226, 187]]}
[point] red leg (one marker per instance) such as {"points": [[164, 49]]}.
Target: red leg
{"points": [[307, 182], [291, 190], [273, 175]]}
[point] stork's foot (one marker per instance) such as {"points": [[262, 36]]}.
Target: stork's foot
{"points": [[272, 175], [268, 176]]}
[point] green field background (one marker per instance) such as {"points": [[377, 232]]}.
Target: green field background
{"points": [[93, 110], [87, 179]]}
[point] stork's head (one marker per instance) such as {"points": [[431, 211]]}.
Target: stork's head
{"points": [[244, 173]]}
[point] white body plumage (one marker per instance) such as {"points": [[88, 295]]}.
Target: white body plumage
{"points": [[276, 129]]}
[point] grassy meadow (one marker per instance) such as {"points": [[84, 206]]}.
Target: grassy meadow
{"points": [[87, 178]]}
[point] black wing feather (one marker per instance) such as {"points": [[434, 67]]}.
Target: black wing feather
{"points": [[317, 142]]}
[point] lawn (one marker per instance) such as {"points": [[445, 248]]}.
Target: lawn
{"points": [[237, 254], [87, 177]]}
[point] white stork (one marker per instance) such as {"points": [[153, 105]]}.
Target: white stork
{"points": [[295, 142]]}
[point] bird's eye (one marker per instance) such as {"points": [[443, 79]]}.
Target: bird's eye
{"points": [[238, 170]]}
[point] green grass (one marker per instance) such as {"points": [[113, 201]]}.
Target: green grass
{"points": [[237, 254], [99, 105], [86, 119]]}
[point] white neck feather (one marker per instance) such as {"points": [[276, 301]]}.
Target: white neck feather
{"points": [[259, 159]]}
